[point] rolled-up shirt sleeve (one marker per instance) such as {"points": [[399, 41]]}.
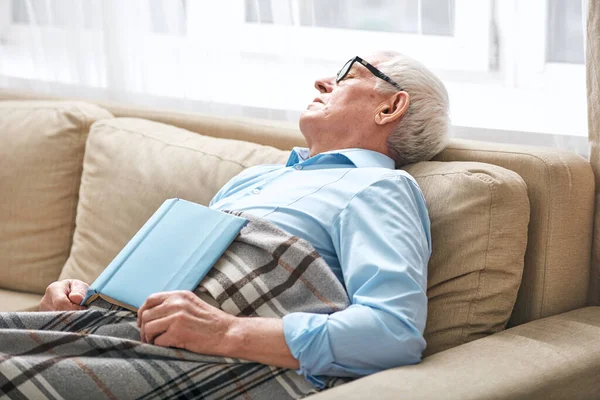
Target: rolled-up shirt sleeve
{"points": [[382, 238]]}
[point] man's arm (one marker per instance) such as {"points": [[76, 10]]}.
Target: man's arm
{"points": [[180, 319], [262, 340], [383, 243]]}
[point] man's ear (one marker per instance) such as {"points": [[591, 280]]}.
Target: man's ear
{"points": [[392, 109]]}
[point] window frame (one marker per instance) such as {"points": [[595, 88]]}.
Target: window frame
{"points": [[529, 65], [467, 50]]}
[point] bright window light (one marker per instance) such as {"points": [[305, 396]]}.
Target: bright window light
{"points": [[508, 64]]}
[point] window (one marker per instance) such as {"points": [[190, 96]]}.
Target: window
{"points": [[537, 74], [429, 17], [265, 55], [550, 48], [434, 31], [506, 63]]}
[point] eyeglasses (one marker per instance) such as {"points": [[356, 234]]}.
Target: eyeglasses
{"points": [[346, 68]]}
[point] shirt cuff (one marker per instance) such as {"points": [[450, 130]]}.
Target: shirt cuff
{"points": [[307, 337]]}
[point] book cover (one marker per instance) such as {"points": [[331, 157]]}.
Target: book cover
{"points": [[174, 250]]}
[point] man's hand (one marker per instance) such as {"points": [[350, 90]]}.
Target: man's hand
{"points": [[65, 295], [181, 319]]}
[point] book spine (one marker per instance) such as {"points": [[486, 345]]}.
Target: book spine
{"points": [[89, 297], [133, 244], [90, 294]]}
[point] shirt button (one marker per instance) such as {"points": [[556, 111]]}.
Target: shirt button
{"points": [[298, 166], [256, 191]]}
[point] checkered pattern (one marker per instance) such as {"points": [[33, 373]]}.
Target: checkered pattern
{"points": [[96, 353]]}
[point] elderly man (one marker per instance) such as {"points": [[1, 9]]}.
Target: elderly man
{"points": [[342, 194]]}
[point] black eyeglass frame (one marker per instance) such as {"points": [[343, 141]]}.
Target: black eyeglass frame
{"points": [[348, 66]]}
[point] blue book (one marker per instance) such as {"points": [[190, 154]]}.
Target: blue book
{"points": [[174, 250]]}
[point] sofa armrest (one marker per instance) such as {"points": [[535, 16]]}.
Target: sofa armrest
{"points": [[560, 187], [552, 358]]}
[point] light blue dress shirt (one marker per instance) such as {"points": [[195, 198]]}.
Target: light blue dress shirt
{"points": [[370, 224]]}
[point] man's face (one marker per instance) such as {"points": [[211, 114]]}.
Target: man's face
{"points": [[342, 112]]}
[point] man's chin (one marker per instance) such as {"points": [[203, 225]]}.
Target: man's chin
{"points": [[307, 114], [312, 111], [308, 122]]}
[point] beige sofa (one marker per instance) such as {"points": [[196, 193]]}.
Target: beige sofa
{"points": [[511, 225]]}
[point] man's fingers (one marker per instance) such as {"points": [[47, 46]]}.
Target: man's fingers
{"points": [[165, 340], [76, 298], [152, 301], [64, 304], [63, 295], [154, 328], [150, 314], [78, 291], [54, 292], [160, 311], [58, 288]]}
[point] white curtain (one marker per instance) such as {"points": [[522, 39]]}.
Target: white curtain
{"points": [[183, 48], [261, 57], [101, 43]]}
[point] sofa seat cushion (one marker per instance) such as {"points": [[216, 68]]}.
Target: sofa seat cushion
{"points": [[11, 300], [131, 166], [479, 215], [41, 155]]}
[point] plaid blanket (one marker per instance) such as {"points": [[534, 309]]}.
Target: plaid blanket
{"points": [[97, 353]]}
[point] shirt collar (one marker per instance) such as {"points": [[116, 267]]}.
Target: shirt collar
{"points": [[361, 158]]}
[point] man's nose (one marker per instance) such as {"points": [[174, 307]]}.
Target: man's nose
{"points": [[324, 85]]}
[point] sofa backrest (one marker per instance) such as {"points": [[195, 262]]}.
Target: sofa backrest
{"points": [[560, 187], [479, 214]]}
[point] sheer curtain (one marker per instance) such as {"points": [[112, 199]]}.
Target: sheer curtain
{"points": [[502, 60], [258, 54], [99, 43]]}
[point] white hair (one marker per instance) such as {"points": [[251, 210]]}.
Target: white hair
{"points": [[423, 130]]}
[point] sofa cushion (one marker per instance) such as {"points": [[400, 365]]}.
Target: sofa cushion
{"points": [[479, 215], [131, 166], [560, 186], [41, 154]]}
